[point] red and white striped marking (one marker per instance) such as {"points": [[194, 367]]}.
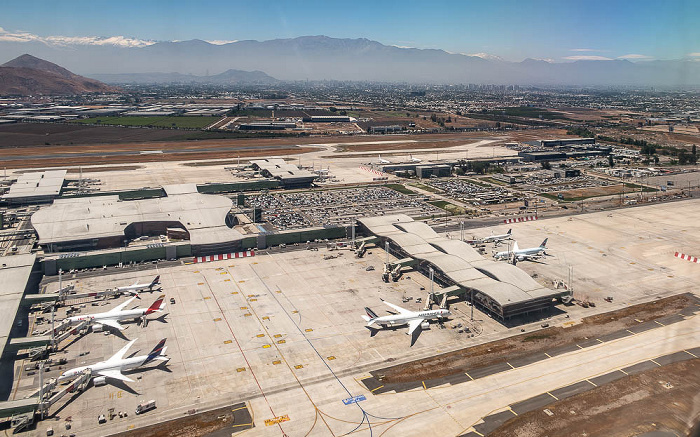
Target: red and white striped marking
{"points": [[520, 219], [224, 256], [692, 259], [371, 170]]}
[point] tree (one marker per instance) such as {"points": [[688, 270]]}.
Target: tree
{"points": [[546, 165]]}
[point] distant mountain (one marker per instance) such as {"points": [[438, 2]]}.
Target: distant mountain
{"points": [[28, 75], [228, 77], [321, 57]]}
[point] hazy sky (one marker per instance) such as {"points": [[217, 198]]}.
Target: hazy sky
{"points": [[512, 29]]}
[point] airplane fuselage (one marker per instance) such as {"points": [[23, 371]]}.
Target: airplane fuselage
{"points": [[402, 319], [122, 315], [124, 364]]}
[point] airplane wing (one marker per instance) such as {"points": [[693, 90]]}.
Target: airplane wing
{"points": [[121, 306], [115, 374], [112, 323], [120, 355], [398, 308], [413, 325]]}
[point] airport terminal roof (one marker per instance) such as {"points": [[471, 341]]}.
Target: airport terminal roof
{"points": [[37, 185], [203, 215], [14, 275], [279, 168], [504, 283]]}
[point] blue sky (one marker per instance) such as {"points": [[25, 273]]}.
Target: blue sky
{"points": [[514, 30]]}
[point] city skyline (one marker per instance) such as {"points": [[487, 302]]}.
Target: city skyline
{"points": [[512, 31]]}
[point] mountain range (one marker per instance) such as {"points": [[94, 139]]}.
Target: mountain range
{"points": [[228, 77], [28, 75], [325, 58]]}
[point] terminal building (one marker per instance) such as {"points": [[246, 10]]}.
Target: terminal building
{"points": [[36, 187], [102, 222], [499, 288], [289, 175]]}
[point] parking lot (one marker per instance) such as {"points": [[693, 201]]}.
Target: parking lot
{"points": [[336, 207]]}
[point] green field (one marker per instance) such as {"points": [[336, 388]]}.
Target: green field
{"points": [[400, 188], [449, 207], [171, 121]]}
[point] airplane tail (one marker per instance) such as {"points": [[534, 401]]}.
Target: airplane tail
{"points": [[544, 243], [158, 305], [515, 247], [158, 353], [370, 317], [509, 231], [155, 282]]}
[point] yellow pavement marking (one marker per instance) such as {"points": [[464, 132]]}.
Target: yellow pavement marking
{"points": [[655, 363], [253, 300], [207, 297], [656, 321], [276, 362], [298, 366], [579, 346], [218, 319], [553, 396], [260, 335], [373, 390], [266, 346], [630, 332], [624, 372], [240, 369], [239, 408], [277, 335], [282, 342], [228, 342], [247, 314], [511, 410], [691, 354], [548, 355], [308, 329], [244, 308], [331, 358], [511, 366], [200, 283], [470, 377], [266, 318], [424, 387], [600, 340], [594, 384]]}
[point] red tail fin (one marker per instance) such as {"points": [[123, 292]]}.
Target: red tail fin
{"points": [[157, 305]]}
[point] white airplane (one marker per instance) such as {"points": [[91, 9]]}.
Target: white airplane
{"points": [[136, 287], [498, 238], [112, 368], [383, 161], [116, 314], [517, 254], [414, 159], [413, 319]]}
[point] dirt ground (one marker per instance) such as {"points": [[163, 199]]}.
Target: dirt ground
{"points": [[526, 344], [203, 424], [579, 193], [631, 406]]}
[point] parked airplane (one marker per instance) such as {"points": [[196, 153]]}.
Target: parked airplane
{"points": [[517, 254], [113, 367], [498, 238], [383, 161], [113, 316], [414, 159], [136, 287], [413, 319]]}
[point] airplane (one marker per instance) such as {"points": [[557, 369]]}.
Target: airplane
{"points": [[517, 254], [383, 161], [414, 159], [498, 238], [112, 317], [136, 287], [112, 368], [413, 319]]}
